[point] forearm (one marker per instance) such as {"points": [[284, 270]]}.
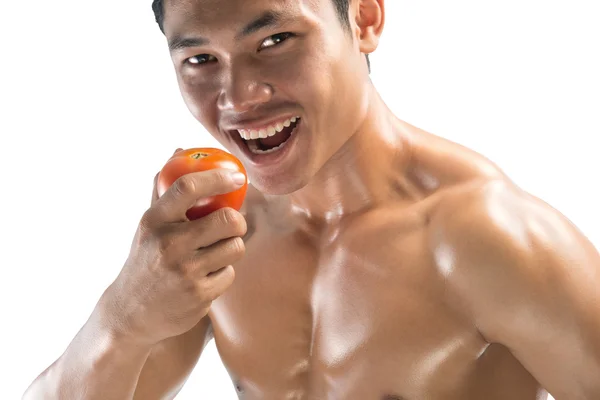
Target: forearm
{"points": [[96, 365]]}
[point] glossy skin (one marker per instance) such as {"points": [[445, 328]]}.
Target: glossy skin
{"points": [[248, 80], [452, 284], [381, 261], [418, 271], [186, 161]]}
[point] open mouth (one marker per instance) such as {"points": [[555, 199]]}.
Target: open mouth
{"points": [[270, 139]]}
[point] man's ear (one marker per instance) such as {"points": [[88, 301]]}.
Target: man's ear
{"points": [[369, 19]]}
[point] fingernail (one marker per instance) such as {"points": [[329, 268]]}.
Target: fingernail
{"points": [[238, 178]]}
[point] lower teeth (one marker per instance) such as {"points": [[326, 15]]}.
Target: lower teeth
{"points": [[253, 145]]}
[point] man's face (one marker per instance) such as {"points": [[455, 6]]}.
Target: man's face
{"points": [[244, 67]]}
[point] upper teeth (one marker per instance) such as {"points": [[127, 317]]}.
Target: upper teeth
{"points": [[266, 131]]}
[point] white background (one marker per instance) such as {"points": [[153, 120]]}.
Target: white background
{"points": [[91, 110]]}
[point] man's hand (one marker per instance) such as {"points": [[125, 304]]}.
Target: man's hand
{"points": [[177, 267]]}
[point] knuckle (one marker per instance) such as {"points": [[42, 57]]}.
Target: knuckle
{"points": [[233, 220], [166, 243], [227, 216], [222, 178], [237, 247], [146, 225], [212, 290], [184, 185], [229, 276], [187, 269], [238, 224], [147, 217], [146, 222]]}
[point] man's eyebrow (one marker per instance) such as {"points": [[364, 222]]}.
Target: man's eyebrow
{"points": [[180, 42], [265, 20]]}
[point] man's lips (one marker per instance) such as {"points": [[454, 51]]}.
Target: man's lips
{"points": [[264, 158]]}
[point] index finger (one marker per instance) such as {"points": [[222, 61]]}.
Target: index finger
{"points": [[155, 195], [154, 190], [188, 189]]}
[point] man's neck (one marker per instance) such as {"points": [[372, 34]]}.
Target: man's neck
{"points": [[366, 171]]}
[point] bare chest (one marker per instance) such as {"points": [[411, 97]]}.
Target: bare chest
{"points": [[364, 316]]}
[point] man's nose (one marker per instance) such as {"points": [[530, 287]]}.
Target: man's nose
{"points": [[243, 90]]}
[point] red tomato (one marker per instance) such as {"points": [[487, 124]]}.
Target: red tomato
{"points": [[202, 159]]}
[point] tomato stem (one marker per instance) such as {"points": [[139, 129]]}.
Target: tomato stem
{"points": [[196, 156]]}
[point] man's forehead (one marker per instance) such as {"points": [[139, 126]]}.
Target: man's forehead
{"points": [[211, 9], [203, 18], [223, 11]]}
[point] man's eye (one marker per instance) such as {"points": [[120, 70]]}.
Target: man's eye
{"points": [[275, 40], [200, 59]]}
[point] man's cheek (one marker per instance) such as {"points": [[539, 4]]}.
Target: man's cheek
{"points": [[196, 101]]}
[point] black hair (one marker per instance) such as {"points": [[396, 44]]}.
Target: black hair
{"points": [[341, 7]]}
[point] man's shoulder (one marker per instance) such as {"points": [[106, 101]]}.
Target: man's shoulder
{"points": [[492, 233], [476, 199], [463, 182], [490, 212], [495, 215], [476, 238], [506, 256], [444, 163]]}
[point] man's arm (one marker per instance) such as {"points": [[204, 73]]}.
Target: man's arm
{"points": [[171, 362], [97, 365], [530, 280]]}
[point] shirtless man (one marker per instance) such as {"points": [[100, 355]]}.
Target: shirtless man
{"points": [[372, 260]]}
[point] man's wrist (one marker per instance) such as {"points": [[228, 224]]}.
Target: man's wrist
{"points": [[111, 325]]}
